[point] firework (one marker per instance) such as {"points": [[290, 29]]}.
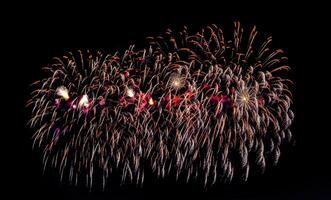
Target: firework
{"points": [[194, 106]]}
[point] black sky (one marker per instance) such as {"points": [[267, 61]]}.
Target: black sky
{"points": [[36, 34]]}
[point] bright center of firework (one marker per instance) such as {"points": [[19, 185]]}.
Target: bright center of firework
{"points": [[62, 92], [150, 101], [130, 93], [244, 98], [83, 102], [176, 82]]}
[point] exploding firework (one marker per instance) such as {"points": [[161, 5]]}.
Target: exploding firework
{"points": [[189, 106]]}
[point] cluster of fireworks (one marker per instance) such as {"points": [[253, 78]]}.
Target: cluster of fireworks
{"points": [[193, 106]]}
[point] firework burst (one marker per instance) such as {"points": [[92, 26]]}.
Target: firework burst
{"points": [[193, 106]]}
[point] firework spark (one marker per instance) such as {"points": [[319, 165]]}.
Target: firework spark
{"points": [[62, 92], [193, 106]]}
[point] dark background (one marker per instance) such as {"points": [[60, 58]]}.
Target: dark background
{"points": [[37, 32]]}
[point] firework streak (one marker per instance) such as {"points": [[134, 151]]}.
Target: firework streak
{"points": [[190, 106]]}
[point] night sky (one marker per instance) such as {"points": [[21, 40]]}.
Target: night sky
{"points": [[36, 34]]}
